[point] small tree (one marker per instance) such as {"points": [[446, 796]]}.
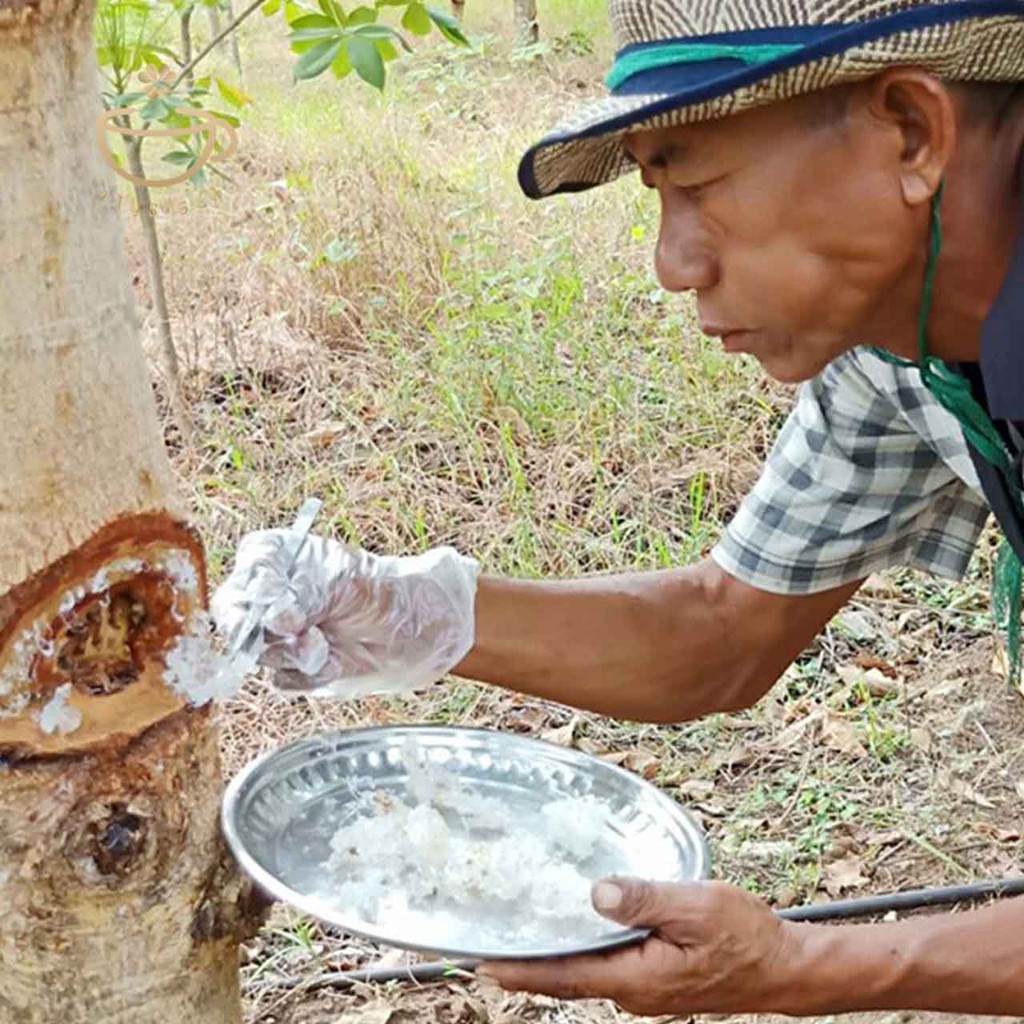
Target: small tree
{"points": [[130, 36]]}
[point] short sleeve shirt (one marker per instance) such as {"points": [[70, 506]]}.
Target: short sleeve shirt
{"points": [[869, 472]]}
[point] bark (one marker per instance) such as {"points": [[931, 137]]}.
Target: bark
{"points": [[527, 29], [213, 15], [158, 293], [185, 32], [117, 902], [236, 53]]}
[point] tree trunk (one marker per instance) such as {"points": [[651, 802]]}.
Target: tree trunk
{"points": [[213, 14], [527, 29], [158, 293], [185, 32], [117, 901], [236, 53]]}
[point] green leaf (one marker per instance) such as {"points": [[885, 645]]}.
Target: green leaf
{"points": [[448, 26], [341, 66], [366, 60], [307, 35], [292, 11], [317, 60], [416, 20], [310, 29], [361, 16], [270, 8], [180, 158], [235, 97], [230, 118], [333, 10], [154, 110], [204, 83], [386, 50], [309, 21]]}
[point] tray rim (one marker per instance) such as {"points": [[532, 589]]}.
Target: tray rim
{"points": [[281, 891]]}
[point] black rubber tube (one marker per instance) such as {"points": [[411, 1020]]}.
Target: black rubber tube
{"points": [[912, 899], [869, 906]]}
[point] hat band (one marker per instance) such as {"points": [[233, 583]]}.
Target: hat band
{"points": [[663, 65], [673, 54]]}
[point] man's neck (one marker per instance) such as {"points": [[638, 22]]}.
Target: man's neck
{"points": [[982, 219]]}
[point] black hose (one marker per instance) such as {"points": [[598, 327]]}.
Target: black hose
{"points": [[872, 906], [869, 906]]}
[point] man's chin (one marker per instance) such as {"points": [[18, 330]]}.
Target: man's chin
{"points": [[789, 369]]}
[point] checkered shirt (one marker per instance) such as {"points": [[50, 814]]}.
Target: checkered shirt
{"points": [[868, 472]]}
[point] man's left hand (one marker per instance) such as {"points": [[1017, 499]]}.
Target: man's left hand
{"points": [[713, 949]]}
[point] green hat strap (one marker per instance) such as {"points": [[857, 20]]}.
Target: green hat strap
{"points": [[953, 393]]}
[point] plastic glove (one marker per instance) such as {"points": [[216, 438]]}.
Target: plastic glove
{"points": [[348, 622]]}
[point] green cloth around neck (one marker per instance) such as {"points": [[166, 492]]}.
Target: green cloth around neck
{"points": [[667, 54], [953, 393]]}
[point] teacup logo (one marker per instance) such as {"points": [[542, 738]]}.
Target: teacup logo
{"points": [[204, 124]]}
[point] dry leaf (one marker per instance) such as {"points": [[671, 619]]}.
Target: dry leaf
{"points": [[1019, 787], [887, 838], [1000, 663], [877, 585], [967, 792], [325, 435], [588, 746], [840, 735], [563, 735], [738, 754], [842, 874], [614, 757], [867, 661], [376, 1014], [698, 789], [857, 624], [713, 809], [873, 679], [643, 762], [797, 732], [921, 739]]}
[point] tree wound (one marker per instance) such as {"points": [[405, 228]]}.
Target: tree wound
{"points": [[83, 646]]}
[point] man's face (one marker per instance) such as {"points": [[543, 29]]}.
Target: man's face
{"points": [[793, 233]]}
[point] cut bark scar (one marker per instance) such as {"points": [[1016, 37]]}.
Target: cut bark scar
{"points": [[92, 633]]}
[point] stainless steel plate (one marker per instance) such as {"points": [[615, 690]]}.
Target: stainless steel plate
{"points": [[281, 812]]}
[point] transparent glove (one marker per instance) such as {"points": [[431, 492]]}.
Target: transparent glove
{"points": [[348, 622]]}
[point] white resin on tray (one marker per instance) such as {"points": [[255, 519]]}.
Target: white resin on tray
{"points": [[461, 869]]}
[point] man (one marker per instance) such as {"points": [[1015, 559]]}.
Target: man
{"points": [[833, 174]]}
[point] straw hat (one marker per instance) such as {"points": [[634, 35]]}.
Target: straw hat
{"points": [[681, 61]]}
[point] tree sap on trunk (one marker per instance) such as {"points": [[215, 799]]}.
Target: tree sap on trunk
{"points": [[117, 900]]}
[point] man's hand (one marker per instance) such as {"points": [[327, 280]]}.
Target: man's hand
{"points": [[714, 949]]}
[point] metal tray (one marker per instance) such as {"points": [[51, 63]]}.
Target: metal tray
{"points": [[280, 813]]}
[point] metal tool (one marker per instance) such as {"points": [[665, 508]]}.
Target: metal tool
{"points": [[251, 630]]}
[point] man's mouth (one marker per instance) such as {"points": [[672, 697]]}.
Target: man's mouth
{"points": [[736, 341]]}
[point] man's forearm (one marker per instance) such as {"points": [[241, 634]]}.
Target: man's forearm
{"points": [[956, 963], [661, 646]]}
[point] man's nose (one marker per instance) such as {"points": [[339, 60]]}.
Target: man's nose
{"points": [[683, 260]]}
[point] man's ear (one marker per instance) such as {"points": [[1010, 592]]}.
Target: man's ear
{"points": [[919, 107]]}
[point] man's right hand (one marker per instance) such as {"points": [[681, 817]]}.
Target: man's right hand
{"points": [[345, 622]]}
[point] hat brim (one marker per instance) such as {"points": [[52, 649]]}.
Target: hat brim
{"points": [[977, 40]]}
